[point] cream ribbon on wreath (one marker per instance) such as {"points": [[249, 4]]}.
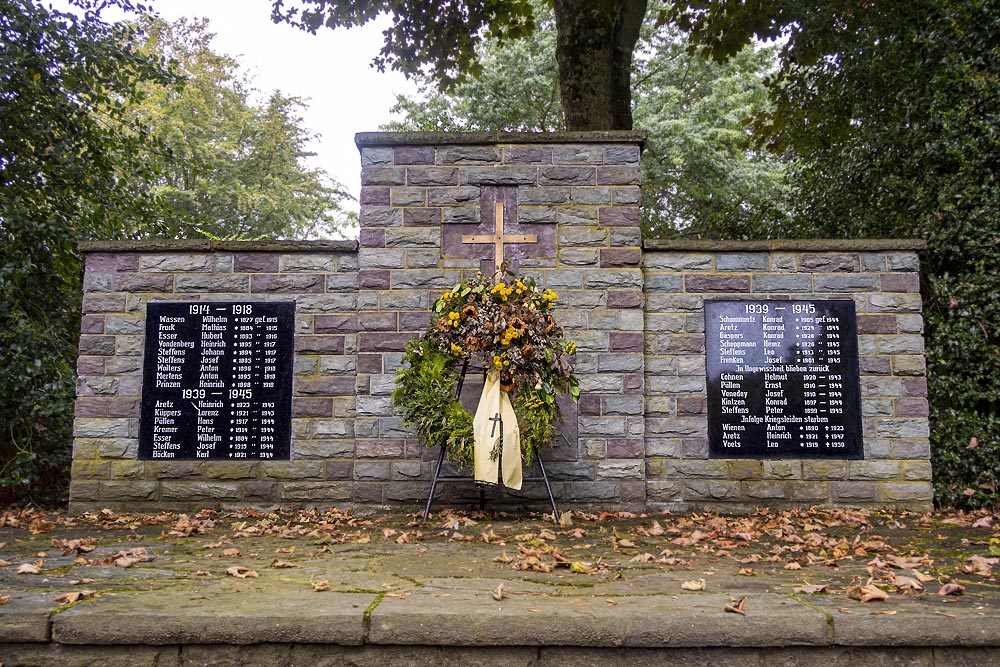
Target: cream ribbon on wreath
{"points": [[495, 420]]}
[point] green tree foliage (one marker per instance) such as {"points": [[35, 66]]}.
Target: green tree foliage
{"points": [[892, 113], [100, 139], [441, 41], [701, 174], [231, 167], [64, 85]]}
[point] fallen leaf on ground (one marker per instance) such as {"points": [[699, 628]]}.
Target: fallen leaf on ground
{"points": [[241, 572], [613, 603], [320, 586], [867, 593], [884, 612], [70, 598], [230, 553], [904, 583], [499, 593], [124, 562], [283, 563], [737, 607], [28, 568], [747, 572], [952, 589], [4, 599], [810, 589], [694, 585], [980, 566], [503, 558], [792, 566], [77, 582]]}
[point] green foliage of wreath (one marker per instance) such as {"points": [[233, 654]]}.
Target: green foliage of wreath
{"points": [[507, 326]]}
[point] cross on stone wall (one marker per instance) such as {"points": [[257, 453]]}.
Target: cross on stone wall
{"points": [[498, 238]]}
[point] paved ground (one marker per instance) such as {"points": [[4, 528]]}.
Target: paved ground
{"points": [[811, 578]]}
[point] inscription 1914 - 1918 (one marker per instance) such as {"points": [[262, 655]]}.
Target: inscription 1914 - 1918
{"points": [[783, 379], [217, 381]]}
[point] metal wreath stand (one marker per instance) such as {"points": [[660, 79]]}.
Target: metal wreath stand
{"points": [[482, 485]]}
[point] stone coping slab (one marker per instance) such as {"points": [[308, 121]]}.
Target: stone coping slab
{"points": [[208, 245], [363, 139], [653, 621], [207, 616], [789, 245]]}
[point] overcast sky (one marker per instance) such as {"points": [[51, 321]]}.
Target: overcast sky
{"points": [[331, 69]]}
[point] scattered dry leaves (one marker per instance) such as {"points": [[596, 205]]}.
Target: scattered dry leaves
{"points": [[241, 572], [736, 607]]}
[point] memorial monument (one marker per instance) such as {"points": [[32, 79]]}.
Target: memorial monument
{"points": [[712, 374]]}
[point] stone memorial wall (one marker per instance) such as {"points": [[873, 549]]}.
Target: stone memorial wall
{"points": [[568, 214]]}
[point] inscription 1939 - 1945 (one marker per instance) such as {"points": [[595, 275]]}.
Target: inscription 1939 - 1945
{"points": [[217, 381], [783, 379]]}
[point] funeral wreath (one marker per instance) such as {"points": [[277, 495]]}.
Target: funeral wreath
{"points": [[506, 324]]}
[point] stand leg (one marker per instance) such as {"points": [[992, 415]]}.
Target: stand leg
{"points": [[437, 469], [548, 487], [437, 473]]}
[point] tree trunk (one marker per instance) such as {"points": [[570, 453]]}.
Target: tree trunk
{"points": [[594, 52]]}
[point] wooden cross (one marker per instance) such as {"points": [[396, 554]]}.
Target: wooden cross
{"points": [[498, 237]]}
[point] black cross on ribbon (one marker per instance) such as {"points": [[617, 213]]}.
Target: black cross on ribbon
{"points": [[495, 419]]}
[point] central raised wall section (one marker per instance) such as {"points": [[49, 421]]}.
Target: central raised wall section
{"points": [[579, 195], [637, 438]]}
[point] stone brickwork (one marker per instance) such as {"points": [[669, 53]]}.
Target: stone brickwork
{"points": [[579, 195], [882, 279], [636, 439], [122, 277]]}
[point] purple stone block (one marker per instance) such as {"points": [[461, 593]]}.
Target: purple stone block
{"points": [[625, 342], [256, 262], [413, 155], [413, 321], [876, 324], [618, 216], [613, 257], [371, 238], [911, 407], [92, 324], [375, 195], [91, 406], [626, 448], [324, 324], [369, 364], [287, 283], [624, 299], [372, 341], [123, 406], [312, 407], [373, 279], [372, 448], [901, 282]]}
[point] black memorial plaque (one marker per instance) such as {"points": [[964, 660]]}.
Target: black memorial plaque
{"points": [[783, 379], [217, 381]]}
